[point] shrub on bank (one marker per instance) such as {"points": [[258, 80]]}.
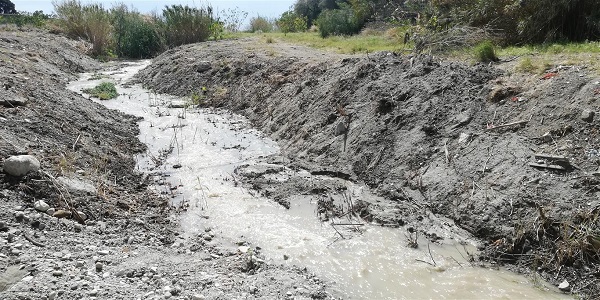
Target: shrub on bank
{"points": [[131, 34], [37, 19], [91, 22], [186, 25], [485, 52], [134, 34], [261, 24], [337, 22], [103, 91]]}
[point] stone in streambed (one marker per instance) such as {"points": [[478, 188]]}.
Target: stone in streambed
{"points": [[20, 165]]}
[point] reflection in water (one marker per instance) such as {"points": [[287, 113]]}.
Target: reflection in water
{"points": [[374, 264]]}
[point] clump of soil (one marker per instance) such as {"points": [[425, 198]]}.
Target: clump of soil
{"points": [[511, 159]]}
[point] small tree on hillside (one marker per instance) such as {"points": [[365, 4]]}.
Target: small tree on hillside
{"points": [[7, 7], [291, 22]]}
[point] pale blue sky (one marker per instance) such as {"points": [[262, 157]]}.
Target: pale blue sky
{"points": [[265, 8]]}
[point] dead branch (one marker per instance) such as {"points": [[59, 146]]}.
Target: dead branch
{"points": [[492, 127], [33, 241]]}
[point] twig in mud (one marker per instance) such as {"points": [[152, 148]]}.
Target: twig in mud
{"points": [[491, 127], [446, 152], [31, 240], [347, 224], [486, 162], [429, 249], [76, 140], [467, 260], [454, 259], [420, 260]]}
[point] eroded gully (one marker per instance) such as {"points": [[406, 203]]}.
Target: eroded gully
{"points": [[192, 154]]}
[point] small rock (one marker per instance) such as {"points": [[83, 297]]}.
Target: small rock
{"points": [[18, 246], [103, 252], [17, 101], [99, 267], [77, 227], [243, 249], [50, 211], [253, 289], [61, 214], [340, 129], [207, 237], [198, 297], [587, 115], [178, 104], [79, 264], [82, 215], [3, 226], [130, 240], [20, 165], [564, 286], [40, 205], [464, 138], [57, 273], [52, 295], [19, 216], [93, 292], [486, 218]]}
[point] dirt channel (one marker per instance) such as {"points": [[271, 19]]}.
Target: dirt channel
{"points": [[102, 233], [511, 158]]}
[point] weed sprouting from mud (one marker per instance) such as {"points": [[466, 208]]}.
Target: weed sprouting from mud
{"points": [[103, 91]]}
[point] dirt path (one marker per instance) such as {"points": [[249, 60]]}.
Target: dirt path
{"points": [[509, 160]]}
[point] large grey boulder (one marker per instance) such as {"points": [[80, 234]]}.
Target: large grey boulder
{"points": [[20, 165]]}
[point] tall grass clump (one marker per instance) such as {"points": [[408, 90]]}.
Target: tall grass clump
{"points": [[90, 21], [186, 25], [135, 35], [261, 24], [485, 52]]}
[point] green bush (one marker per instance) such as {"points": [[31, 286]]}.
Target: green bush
{"points": [[135, 35], [291, 22], [186, 25], [338, 22], [485, 52], [261, 24], [37, 19], [103, 91], [90, 21], [525, 22]]}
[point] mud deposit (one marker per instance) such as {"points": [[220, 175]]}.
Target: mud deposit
{"points": [[444, 146]]}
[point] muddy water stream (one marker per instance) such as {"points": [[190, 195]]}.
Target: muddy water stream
{"points": [[200, 149]]}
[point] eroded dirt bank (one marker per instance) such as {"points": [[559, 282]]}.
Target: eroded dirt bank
{"points": [[124, 244], [510, 158]]}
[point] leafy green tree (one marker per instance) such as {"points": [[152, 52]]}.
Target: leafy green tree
{"points": [[291, 22], [7, 7]]}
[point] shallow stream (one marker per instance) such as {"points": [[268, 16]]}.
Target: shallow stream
{"points": [[200, 148]]}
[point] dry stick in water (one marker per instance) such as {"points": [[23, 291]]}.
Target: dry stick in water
{"points": [[337, 231]]}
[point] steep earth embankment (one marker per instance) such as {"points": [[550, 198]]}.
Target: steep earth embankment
{"points": [[510, 158], [86, 225]]}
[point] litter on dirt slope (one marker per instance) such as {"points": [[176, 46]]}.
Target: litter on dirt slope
{"points": [[470, 143]]}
